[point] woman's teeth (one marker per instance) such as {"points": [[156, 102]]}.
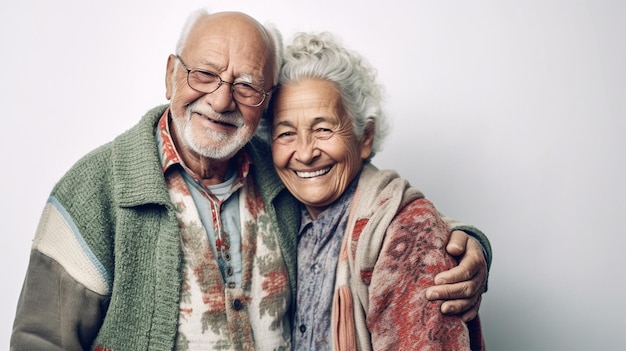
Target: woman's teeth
{"points": [[313, 174]]}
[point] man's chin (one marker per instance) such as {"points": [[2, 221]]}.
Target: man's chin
{"points": [[219, 151], [220, 146]]}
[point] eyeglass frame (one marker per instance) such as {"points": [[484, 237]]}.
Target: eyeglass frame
{"points": [[255, 87]]}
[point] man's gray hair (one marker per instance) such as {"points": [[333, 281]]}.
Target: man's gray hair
{"points": [[271, 30]]}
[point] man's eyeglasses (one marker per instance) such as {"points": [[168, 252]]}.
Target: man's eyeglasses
{"points": [[207, 82]]}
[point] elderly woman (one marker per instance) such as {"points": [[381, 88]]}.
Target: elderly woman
{"points": [[370, 244]]}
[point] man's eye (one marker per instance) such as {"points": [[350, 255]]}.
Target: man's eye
{"points": [[243, 85], [204, 76]]}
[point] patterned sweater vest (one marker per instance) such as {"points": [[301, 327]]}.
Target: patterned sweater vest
{"points": [[214, 316]]}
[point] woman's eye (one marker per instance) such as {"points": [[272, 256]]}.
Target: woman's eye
{"points": [[284, 137], [323, 133]]}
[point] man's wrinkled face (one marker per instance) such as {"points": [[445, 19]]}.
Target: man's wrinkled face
{"points": [[214, 125]]}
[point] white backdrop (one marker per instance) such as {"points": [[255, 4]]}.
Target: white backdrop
{"points": [[508, 114]]}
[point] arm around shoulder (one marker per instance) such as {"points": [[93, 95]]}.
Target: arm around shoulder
{"points": [[473, 232]]}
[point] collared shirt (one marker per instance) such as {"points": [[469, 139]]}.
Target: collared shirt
{"points": [[318, 250], [218, 210], [235, 289]]}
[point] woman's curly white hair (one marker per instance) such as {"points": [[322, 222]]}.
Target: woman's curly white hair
{"points": [[321, 56]]}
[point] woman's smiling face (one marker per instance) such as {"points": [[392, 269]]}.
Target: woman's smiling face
{"points": [[315, 150]]}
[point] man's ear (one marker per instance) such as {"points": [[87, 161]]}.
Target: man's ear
{"points": [[367, 140], [169, 75]]}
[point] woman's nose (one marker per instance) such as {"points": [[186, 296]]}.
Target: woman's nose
{"points": [[306, 148]]}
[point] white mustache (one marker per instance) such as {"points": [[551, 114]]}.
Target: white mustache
{"points": [[234, 118]]}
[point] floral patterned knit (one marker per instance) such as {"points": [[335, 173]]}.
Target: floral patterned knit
{"points": [[215, 315], [393, 247]]}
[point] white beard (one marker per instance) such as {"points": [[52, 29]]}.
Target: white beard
{"points": [[212, 144]]}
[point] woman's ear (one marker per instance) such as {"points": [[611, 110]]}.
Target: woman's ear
{"points": [[367, 140]]}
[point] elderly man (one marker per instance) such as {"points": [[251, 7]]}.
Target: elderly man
{"points": [[178, 234]]}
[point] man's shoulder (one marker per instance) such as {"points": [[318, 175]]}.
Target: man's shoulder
{"points": [[262, 170], [261, 154], [259, 146]]}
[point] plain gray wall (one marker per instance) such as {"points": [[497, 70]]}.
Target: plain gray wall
{"points": [[508, 114]]}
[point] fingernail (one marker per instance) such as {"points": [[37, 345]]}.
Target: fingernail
{"points": [[447, 309], [433, 295]]}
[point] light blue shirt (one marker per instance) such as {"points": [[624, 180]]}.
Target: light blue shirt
{"points": [[228, 212]]}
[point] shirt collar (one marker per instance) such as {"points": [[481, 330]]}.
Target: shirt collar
{"points": [[337, 208]]}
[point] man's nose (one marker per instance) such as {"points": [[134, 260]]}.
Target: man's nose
{"points": [[222, 99]]}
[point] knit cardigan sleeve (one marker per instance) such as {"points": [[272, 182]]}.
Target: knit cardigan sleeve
{"points": [[104, 266]]}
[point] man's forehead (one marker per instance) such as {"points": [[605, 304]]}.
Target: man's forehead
{"points": [[232, 25], [230, 42]]}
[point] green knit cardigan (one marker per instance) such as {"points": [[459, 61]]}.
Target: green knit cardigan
{"points": [[118, 200]]}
